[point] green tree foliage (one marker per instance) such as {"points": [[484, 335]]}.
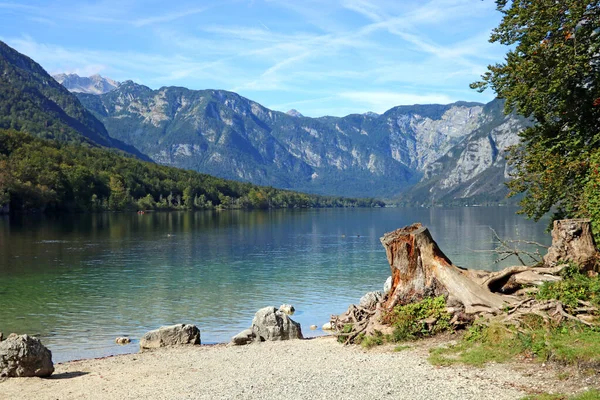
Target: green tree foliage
{"points": [[551, 75], [38, 174]]}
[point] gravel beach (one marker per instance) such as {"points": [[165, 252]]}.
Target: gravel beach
{"points": [[297, 369]]}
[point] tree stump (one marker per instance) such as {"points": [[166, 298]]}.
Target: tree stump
{"points": [[572, 240], [420, 269]]}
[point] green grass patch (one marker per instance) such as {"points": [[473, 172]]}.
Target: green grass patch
{"points": [[377, 339], [592, 394], [570, 343]]}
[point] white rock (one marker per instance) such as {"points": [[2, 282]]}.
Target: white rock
{"points": [[327, 327], [287, 309]]}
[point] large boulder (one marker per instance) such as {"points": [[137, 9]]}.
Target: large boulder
{"points": [[173, 335], [24, 356], [271, 324]]}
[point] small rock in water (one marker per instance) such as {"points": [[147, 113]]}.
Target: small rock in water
{"points": [[327, 327], [122, 340], [1, 336], [287, 309], [313, 327]]}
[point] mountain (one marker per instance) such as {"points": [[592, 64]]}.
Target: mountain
{"points": [[94, 84], [437, 150], [32, 101], [472, 171], [223, 134], [294, 113]]}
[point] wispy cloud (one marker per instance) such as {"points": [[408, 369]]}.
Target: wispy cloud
{"points": [[319, 57], [101, 13], [167, 17]]}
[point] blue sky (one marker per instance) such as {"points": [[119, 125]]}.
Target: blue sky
{"points": [[326, 57]]}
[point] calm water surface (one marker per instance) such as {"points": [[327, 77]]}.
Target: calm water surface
{"points": [[79, 281]]}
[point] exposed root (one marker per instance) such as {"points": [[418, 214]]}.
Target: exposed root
{"points": [[352, 323]]}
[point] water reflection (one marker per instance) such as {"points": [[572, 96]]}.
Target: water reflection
{"points": [[80, 281]]}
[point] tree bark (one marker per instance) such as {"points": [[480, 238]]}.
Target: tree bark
{"points": [[572, 240]]}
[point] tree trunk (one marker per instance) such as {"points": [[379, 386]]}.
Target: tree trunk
{"points": [[420, 269], [572, 240]]}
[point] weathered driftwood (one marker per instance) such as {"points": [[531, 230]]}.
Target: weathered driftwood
{"points": [[420, 269]]}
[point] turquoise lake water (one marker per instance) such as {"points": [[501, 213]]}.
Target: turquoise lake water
{"points": [[79, 281]]}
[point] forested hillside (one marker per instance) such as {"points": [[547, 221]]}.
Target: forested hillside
{"points": [[37, 174], [32, 101]]}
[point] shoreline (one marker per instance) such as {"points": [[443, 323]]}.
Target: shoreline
{"points": [[308, 368]]}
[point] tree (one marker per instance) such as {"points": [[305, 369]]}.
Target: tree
{"points": [[4, 182], [551, 75]]}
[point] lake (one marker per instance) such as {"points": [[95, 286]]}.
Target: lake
{"points": [[79, 281]]}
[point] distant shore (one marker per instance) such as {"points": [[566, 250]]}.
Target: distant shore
{"points": [[317, 368]]}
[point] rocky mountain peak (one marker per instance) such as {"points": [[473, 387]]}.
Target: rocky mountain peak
{"points": [[294, 113], [95, 84]]}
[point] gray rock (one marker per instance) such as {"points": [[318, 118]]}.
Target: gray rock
{"points": [[271, 324], [387, 286], [173, 335], [313, 327], [370, 299], [244, 337], [287, 309], [24, 356]]}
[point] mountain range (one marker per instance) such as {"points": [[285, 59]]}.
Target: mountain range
{"points": [[428, 154], [444, 154]]}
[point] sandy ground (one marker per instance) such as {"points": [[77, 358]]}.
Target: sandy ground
{"points": [[298, 369]]}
